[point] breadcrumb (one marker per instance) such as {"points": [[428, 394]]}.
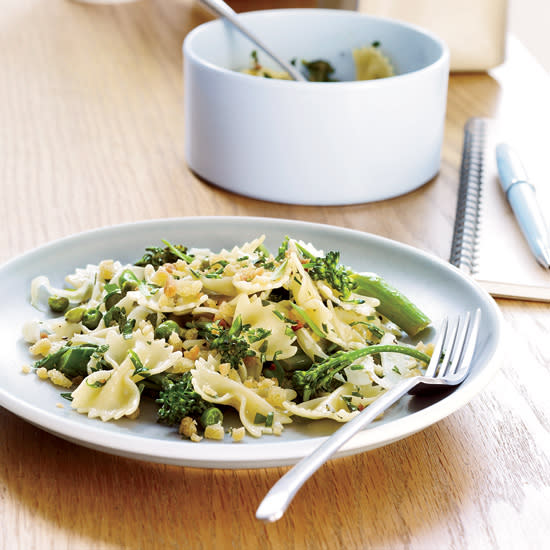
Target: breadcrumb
{"points": [[147, 329], [214, 431], [237, 434], [249, 273], [164, 301], [180, 265], [276, 396], [224, 369], [277, 428], [266, 383], [106, 270], [134, 415], [60, 405], [26, 369], [170, 287], [182, 365], [186, 287], [234, 375], [193, 353], [188, 426], [160, 277], [59, 379], [42, 347], [226, 311], [42, 372], [208, 390], [175, 341], [428, 349]]}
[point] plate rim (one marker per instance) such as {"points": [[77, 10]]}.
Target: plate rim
{"points": [[275, 453]]}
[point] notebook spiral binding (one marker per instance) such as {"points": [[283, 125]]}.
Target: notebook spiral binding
{"points": [[465, 244]]}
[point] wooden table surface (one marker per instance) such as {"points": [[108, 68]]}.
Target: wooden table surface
{"points": [[91, 134]]}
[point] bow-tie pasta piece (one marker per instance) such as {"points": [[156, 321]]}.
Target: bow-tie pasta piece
{"points": [[221, 390], [109, 395]]}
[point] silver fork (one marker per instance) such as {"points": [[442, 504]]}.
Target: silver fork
{"points": [[449, 366]]}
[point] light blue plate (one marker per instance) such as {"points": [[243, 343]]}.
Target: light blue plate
{"points": [[435, 286]]}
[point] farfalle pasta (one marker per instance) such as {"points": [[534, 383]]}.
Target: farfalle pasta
{"points": [[269, 335]]}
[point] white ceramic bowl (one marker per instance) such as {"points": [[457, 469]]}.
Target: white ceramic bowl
{"points": [[314, 143]]}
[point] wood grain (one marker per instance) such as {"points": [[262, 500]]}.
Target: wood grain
{"points": [[91, 134]]}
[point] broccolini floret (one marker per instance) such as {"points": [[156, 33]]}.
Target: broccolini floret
{"points": [[157, 256], [329, 269], [179, 399], [231, 342]]}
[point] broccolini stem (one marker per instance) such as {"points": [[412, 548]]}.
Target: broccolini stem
{"points": [[319, 375], [181, 255], [393, 305]]}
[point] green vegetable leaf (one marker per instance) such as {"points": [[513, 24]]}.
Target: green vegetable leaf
{"points": [[308, 320], [139, 367]]}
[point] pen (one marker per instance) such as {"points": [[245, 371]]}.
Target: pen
{"points": [[522, 197]]}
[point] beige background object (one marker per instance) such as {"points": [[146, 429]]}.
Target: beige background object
{"points": [[475, 30], [526, 19]]}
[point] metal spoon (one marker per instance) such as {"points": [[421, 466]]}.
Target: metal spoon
{"points": [[223, 10]]}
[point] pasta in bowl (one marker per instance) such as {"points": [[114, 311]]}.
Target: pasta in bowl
{"points": [[370, 64], [272, 335]]}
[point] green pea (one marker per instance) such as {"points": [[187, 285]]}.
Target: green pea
{"points": [[128, 281], [165, 329], [211, 416], [91, 318], [127, 286], [112, 299], [58, 303], [75, 314]]}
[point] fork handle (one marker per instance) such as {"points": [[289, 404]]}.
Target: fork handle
{"points": [[276, 501]]}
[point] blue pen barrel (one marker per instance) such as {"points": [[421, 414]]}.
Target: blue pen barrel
{"points": [[523, 199]]}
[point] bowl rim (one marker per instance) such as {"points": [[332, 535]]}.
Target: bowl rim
{"points": [[190, 55]]}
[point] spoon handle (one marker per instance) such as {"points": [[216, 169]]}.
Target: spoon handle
{"points": [[224, 10]]}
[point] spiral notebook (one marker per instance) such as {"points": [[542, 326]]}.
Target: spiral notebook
{"points": [[487, 242]]}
